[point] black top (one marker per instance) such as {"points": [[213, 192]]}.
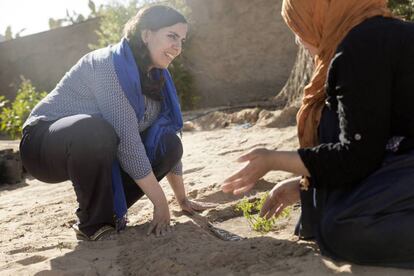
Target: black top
{"points": [[370, 86]]}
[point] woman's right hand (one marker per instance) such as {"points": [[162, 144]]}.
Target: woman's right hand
{"points": [[160, 224], [245, 179]]}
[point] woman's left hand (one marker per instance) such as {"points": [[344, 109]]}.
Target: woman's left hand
{"points": [[281, 196], [191, 207]]}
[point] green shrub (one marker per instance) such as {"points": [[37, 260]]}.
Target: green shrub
{"points": [[184, 83], [251, 208], [403, 8], [13, 115]]}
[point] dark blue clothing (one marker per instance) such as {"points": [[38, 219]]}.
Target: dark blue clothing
{"points": [[360, 205], [82, 148], [369, 223], [370, 87]]}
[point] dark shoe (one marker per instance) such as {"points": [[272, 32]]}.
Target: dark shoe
{"points": [[103, 233]]}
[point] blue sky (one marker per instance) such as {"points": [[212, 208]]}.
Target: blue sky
{"points": [[34, 14]]}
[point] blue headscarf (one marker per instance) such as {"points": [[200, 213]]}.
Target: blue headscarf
{"points": [[169, 120]]}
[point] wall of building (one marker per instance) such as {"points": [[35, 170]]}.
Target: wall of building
{"points": [[240, 51], [44, 57]]}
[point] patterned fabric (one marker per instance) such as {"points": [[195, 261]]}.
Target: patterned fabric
{"points": [[91, 87], [170, 119], [394, 143]]}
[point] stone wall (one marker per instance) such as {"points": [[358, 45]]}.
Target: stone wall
{"points": [[240, 51], [44, 57]]}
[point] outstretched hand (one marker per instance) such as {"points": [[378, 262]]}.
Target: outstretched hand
{"points": [[191, 207], [245, 179]]}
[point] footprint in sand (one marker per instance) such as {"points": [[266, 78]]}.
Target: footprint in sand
{"points": [[230, 151], [31, 249], [192, 170], [242, 149], [32, 260], [21, 250]]}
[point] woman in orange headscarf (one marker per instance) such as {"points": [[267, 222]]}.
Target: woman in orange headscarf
{"points": [[356, 134]]}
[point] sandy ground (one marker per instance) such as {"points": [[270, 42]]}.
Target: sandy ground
{"points": [[35, 237]]}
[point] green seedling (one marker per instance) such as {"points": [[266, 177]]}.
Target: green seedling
{"points": [[251, 208]]}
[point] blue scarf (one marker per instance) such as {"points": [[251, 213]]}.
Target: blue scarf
{"points": [[169, 120]]}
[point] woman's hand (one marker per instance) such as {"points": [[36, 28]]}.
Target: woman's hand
{"points": [[191, 207], [161, 218], [261, 161], [160, 224], [281, 196], [246, 178], [188, 206]]}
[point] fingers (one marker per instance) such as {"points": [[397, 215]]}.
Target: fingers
{"points": [[189, 211], [151, 228], [201, 206], [271, 207], [236, 185], [280, 210], [246, 157], [267, 205], [235, 176], [159, 229], [191, 206], [205, 205], [242, 190], [272, 211]]}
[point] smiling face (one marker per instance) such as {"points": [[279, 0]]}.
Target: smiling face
{"points": [[165, 44]]}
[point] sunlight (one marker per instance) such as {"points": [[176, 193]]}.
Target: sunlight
{"points": [[33, 16]]}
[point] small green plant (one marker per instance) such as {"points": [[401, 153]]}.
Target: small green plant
{"points": [[251, 208], [13, 115]]}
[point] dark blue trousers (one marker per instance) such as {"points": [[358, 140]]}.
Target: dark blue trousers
{"points": [[371, 223], [82, 148]]}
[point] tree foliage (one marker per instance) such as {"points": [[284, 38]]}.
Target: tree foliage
{"points": [[8, 35], [13, 115], [403, 8], [292, 92], [113, 18], [73, 17]]}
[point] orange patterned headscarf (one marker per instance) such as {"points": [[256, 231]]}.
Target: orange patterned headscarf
{"points": [[324, 24]]}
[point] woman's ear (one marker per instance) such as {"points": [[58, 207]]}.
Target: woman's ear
{"points": [[145, 36]]}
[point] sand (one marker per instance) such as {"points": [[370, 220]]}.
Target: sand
{"points": [[36, 238]]}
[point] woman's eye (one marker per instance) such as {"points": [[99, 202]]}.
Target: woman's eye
{"points": [[173, 37]]}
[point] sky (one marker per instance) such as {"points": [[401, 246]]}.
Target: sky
{"points": [[34, 14]]}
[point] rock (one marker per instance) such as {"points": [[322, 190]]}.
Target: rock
{"points": [[11, 168], [189, 126], [248, 115], [212, 121], [278, 118]]}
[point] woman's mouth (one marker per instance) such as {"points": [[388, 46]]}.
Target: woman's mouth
{"points": [[170, 56]]}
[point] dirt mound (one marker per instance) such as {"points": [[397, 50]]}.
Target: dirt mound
{"points": [[243, 118]]}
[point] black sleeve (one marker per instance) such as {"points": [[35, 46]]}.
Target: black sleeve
{"points": [[360, 79]]}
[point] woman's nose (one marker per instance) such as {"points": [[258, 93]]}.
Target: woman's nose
{"points": [[177, 45]]}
